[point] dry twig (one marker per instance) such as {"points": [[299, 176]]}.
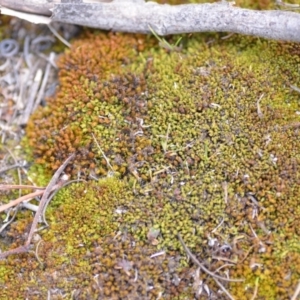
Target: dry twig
{"points": [[46, 194], [255, 289], [21, 199], [214, 276], [5, 169], [6, 187], [297, 292], [137, 15], [196, 261]]}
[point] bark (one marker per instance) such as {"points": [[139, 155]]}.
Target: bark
{"points": [[169, 19], [140, 16]]}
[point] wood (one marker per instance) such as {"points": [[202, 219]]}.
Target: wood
{"points": [[126, 16], [138, 16]]}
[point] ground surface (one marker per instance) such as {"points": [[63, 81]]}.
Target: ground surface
{"points": [[202, 142]]}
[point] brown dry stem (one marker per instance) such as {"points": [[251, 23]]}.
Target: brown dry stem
{"points": [[19, 186], [21, 199], [214, 276], [196, 261], [52, 186]]}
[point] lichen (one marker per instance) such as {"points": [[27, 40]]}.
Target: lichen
{"points": [[202, 142]]}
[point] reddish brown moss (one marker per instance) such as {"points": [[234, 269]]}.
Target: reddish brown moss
{"points": [[96, 99]]}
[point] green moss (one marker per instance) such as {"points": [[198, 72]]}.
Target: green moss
{"points": [[182, 145], [253, 4], [4, 272], [92, 205]]}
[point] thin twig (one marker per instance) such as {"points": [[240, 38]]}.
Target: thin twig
{"points": [[288, 5], [19, 186], [29, 206], [21, 199], [9, 221], [26, 52], [223, 288], [259, 112], [218, 226], [3, 170], [44, 82], [224, 259], [46, 194], [255, 289], [59, 36], [34, 87], [225, 189], [246, 255], [103, 154], [297, 292], [295, 88], [37, 254], [214, 276], [295, 125], [196, 261], [18, 169]]}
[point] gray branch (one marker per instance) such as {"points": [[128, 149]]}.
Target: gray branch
{"points": [[169, 19], [140, 16]]}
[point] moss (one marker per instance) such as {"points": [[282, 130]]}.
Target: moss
{"points": [[94, 205], [184, 145], [261, 4], [88, 114]]}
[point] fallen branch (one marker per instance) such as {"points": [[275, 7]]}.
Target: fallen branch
{"points": [[139, 16], [168, 19], [46, 193]]}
